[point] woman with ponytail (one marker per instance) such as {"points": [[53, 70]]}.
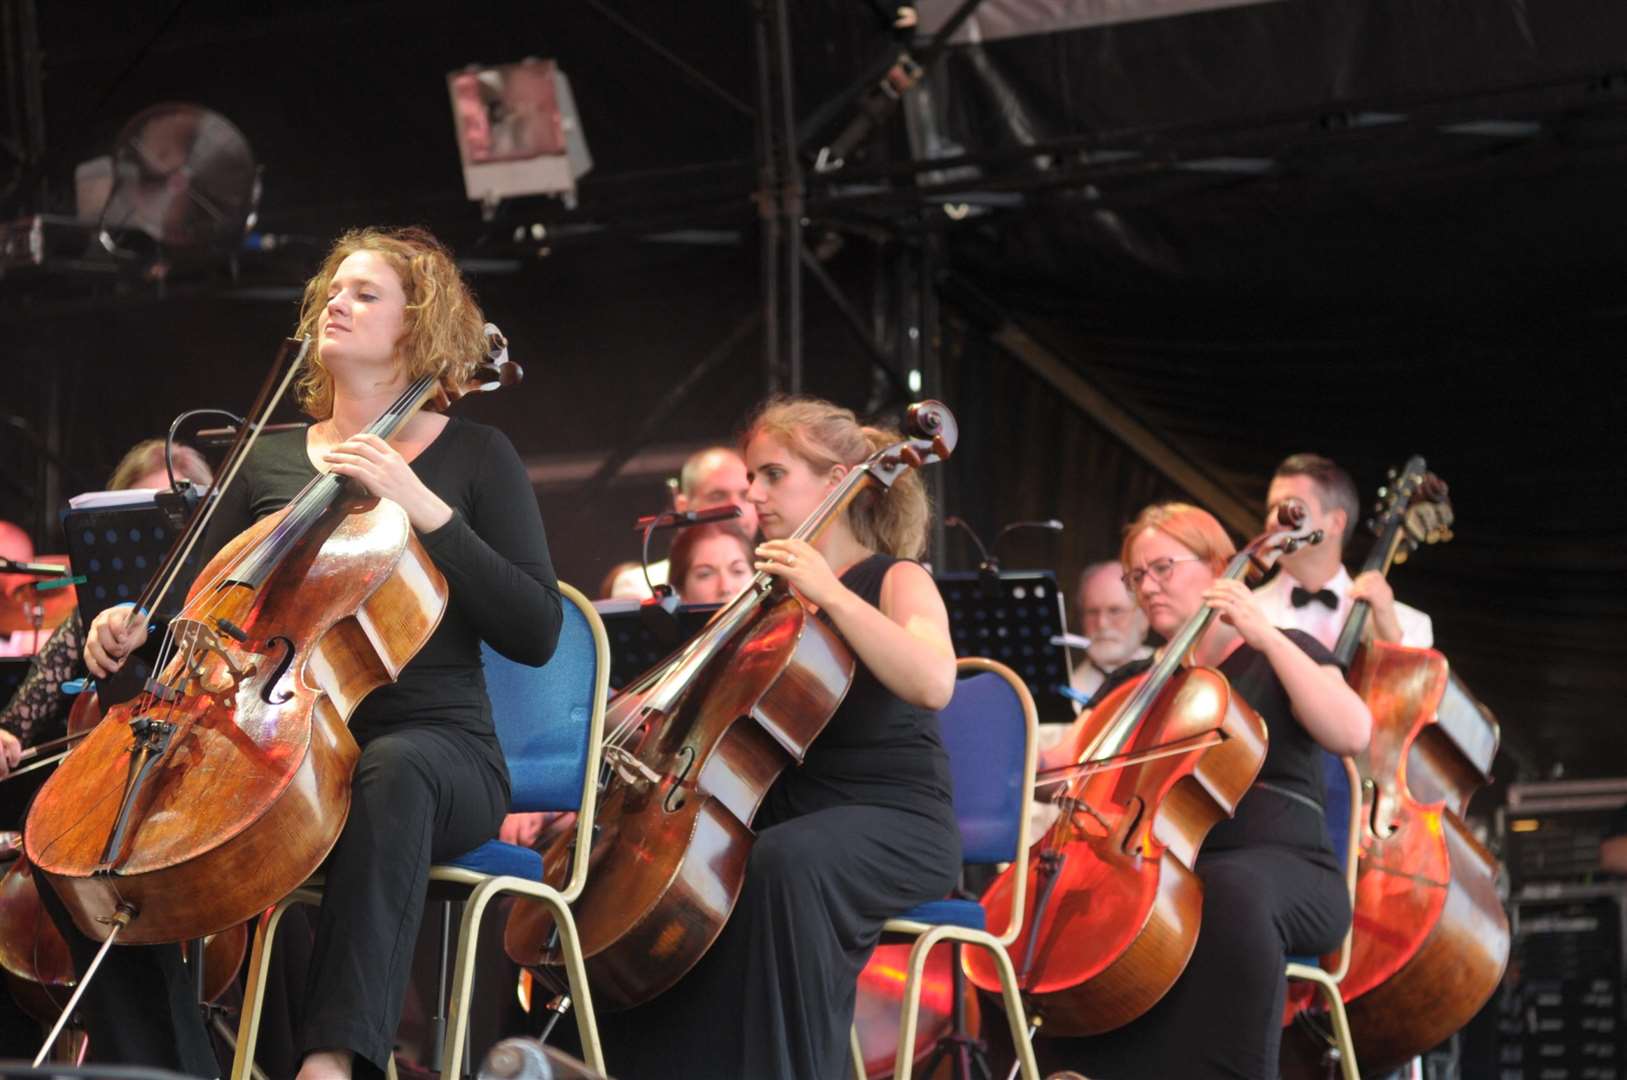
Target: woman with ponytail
{"points": [[862, 830]]}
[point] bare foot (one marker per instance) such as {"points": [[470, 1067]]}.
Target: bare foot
{"points": [[326, 1065]]}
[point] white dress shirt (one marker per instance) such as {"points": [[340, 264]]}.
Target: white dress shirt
{"points": [[1322, 623]]}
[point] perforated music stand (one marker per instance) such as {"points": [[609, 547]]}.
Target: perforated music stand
{"points": [[117, 549], [1012, 617]]}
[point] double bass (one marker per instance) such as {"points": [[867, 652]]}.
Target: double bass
{"points": [[691, 749], [1430, 938], [1113, 902], [224, 783]]}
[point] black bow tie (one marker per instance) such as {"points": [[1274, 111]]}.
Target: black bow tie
{"points": [[1301, 597]]}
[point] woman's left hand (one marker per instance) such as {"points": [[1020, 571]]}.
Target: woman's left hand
{"points": [[378, 467], [1235, 605], [801, 566]]}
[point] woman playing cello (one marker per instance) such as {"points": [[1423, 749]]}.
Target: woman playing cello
{"points": [[386, 307], [864, 828], [1272, 886]]}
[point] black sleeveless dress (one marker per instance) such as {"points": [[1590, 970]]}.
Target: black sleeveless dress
{"points": [[1272, 888], [861, 831]]}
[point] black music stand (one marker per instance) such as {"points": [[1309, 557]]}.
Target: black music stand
{"points": [[1013, 617], [639, 642], [117, 548]]}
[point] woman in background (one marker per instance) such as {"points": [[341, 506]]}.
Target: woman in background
{"points": [[710, 564]]}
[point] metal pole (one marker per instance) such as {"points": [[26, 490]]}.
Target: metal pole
{"points": [[121, 919], [768, 188], [790, 199], [930, 359]]}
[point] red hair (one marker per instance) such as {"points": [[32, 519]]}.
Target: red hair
{"points": [[1193, 528]]}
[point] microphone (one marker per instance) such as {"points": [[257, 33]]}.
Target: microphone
{"points": [[989, 562], [1049, 524], [683, 519]]}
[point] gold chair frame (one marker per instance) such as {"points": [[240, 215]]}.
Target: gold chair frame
{"points": [[927, 934], [482, 890]]}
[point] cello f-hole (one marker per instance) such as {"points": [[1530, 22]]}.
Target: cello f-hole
{"points": [[281, 670], [1374, 826], [675, 794]]}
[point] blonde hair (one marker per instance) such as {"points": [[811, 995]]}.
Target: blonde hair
{"points": [[826, 435], [147, 456], [443, 330], [1193, 528]]}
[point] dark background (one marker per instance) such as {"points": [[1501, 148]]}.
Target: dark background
{"points": [[1369, 230]]}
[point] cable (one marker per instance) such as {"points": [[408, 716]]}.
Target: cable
{"points": [[169, 440]]}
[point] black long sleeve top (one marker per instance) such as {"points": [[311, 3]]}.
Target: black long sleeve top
{"points": [[493, 552]]}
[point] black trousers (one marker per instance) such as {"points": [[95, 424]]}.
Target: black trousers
{"points": [[420, 794], [774, 995], [1223, 1016]]}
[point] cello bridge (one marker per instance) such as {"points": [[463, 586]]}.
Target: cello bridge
{"points": [[628, 766], [221, 682]]}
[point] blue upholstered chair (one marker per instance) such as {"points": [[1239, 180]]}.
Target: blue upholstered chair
{"points": [[549, 720], [988, 729], [1342, 805]]}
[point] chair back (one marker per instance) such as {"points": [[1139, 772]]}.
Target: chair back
{"points": [[988, 729], [1342, 806], [550, 719]]}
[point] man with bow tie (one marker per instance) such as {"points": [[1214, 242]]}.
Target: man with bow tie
{"points": [[1313, 591]]}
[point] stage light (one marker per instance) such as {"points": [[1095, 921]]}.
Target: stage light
{"points": [[517, 132]]}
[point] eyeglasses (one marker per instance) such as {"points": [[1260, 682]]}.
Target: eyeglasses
{"points": [[1160, 569]]}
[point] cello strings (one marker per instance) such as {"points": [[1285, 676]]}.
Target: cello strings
{"points": [[761, 584], [306, 508], [200, 522]]}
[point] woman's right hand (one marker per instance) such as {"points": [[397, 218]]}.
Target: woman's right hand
{"points": [[113, 637]]}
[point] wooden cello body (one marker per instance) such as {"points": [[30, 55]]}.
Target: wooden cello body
{"points": [[1114, 902], [202, 824], [691, 749], [669, 857], [1430, 937], [33, 955], [1118, 901], [222, 785]]}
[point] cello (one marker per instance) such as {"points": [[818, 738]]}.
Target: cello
{"points": [[1113, 901], [1430, 938], [691, 748], [222, 785], [33, 955]]}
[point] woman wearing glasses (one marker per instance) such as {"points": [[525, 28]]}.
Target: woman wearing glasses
{"points": [[1272, 885]]}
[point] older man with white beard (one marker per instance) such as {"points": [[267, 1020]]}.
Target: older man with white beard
{"points": [[1117, 629], [1115, 626]]}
